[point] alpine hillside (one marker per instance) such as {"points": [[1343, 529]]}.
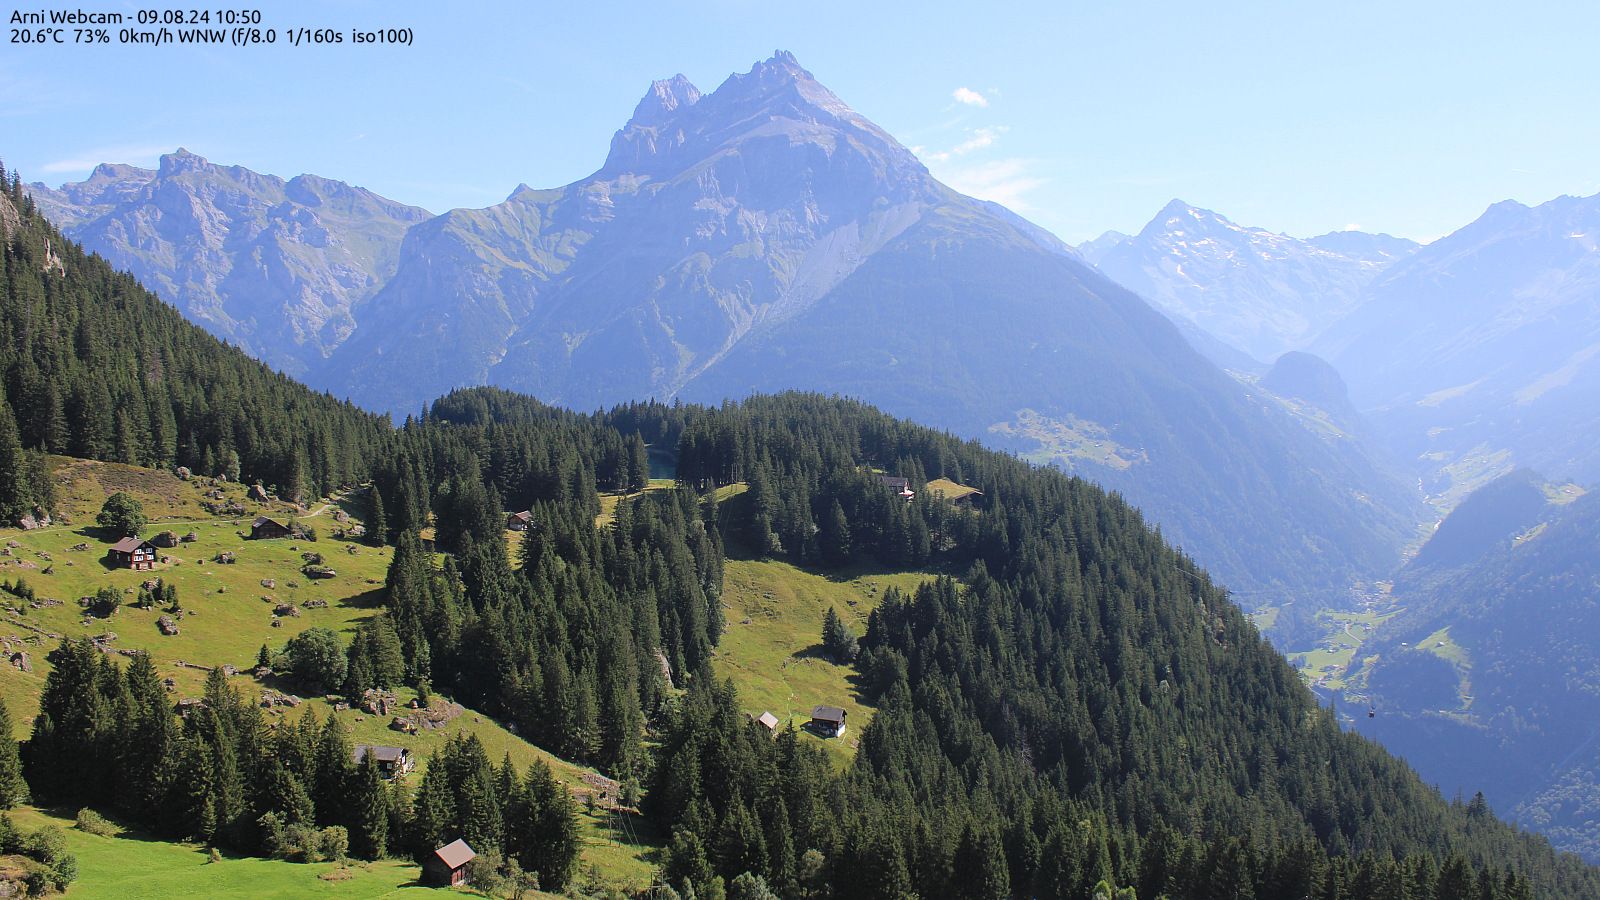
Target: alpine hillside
{"points": [[1490, 658], [1072, 707]]}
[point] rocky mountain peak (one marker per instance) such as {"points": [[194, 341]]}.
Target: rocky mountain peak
{"points": [[181, 162], [675, 127], [664, 98]]}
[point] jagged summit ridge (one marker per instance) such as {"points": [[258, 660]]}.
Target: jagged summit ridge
{"points": [[675, 127]]}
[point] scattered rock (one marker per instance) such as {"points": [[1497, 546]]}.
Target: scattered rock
{"points": [[168, 626], [165, 539], [226, 558], [21, 660], [190, 538], [269, 583], [378, 702], [315, 604], [286, 609], [271, 698], [183, 473], [259, 494]]}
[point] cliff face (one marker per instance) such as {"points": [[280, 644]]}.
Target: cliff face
{"points": [[277, 267]]}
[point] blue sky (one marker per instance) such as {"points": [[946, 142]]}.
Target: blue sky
{"points": [[1406, 117]]}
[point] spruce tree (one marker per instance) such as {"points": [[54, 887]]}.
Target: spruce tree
{"points": [[13, 789], [377, 520], [368, 816], [14, 499]]}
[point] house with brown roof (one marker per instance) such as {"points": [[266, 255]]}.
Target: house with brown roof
{"points": [[519, 521], [448, 864], [133, 553], [264, 528], [828, 721], [393, 762]]}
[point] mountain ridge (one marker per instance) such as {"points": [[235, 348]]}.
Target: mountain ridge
{"points": [[766, 236], [1255, 290]]}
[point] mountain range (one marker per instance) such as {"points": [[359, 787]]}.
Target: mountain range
{"points": [[1481, 351], [1256, 291], [279, 268], [759, 237]]}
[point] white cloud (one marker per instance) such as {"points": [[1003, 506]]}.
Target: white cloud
{"points": [[88, 159], [977, 139], [969, 97], [1004, 181], [1353, 226]]}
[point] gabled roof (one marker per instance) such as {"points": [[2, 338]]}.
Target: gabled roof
{"points": [[768, 719], [455, 854], [128, 544], [524, 516], [381, 754], [263, 520], [827, 713]]}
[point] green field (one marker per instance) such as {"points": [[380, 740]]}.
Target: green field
{"points": [[229, 622], [1067, 440], [1330, 664], [949, 490], [771, 650], [610, 501], [772, 647], [227, 609], [133, 867]]}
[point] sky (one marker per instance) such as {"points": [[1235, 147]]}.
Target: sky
{"points": [[1408, 118]]}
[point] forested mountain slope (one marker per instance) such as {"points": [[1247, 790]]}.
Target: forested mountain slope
{"points": [[1084, 706], [91, 365], [1492, 659]]}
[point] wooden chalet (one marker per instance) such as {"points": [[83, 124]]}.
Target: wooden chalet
{"points": [[768, 721], [393, 762], [901, 486], [134, 553], [828, 721], [519, 521], [448, 864], [263, 528]]}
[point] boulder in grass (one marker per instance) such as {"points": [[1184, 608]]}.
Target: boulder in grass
{"points": [[189, 538], [166, 539], [168, 626]]}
